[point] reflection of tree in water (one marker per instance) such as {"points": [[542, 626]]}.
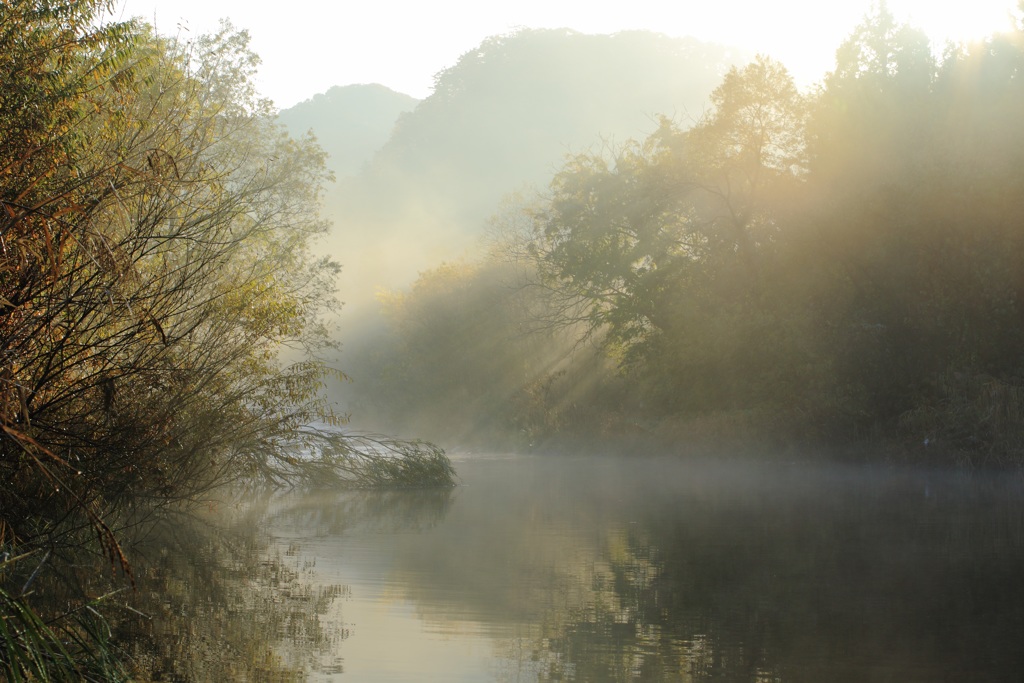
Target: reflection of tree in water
{"points": [[866, 585], [651, 572], [373, 510], [224, 605], [622, 629], [228, 601], [597, 576]]}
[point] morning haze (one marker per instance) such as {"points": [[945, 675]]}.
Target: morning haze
{"points": [[619, 352], [636, 235]]}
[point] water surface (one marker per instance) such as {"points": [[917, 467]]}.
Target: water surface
{"points": [[647, 569]]}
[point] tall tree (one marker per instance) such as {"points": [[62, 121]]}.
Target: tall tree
{"points": [[675, 224]]}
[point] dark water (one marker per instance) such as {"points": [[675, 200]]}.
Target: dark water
{"points": [[635, 569]]}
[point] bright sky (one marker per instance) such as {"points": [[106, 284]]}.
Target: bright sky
{"points": [[307, 46]]}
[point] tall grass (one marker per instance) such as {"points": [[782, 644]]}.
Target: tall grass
{"points": [[976, 416], [70, 645]]}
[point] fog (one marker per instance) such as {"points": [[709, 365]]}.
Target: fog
{"points": [[636, 236], [646, 569]]}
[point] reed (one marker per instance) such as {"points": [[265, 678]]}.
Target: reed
{"points": [[73, 645]]}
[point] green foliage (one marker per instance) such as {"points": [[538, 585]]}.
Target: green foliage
{"points": [[691, 211], [72, 645], [871, 119]]}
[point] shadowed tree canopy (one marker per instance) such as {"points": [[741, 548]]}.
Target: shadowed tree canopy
{"points": [[622, 235]]}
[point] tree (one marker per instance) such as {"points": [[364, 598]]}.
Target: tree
{"points": [[155, 232], [875, 101], [645, 246], [750, 151], [156, 226]]}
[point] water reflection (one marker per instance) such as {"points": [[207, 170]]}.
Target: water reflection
{"points": [[360, 511], [217, 600], [640, 570]]}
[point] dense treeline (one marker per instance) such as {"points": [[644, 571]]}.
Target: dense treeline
{"points": [[155, 232], [839, 265]]}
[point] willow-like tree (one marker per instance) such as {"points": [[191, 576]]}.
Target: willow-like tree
{"points": [[155, 274], [156, 226]]}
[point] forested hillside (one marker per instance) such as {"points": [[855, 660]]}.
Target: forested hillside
{"points": [[510, 110], [502, 118], [812, 268]]}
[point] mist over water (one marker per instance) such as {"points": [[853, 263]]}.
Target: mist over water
{"points": [[647, 569]]}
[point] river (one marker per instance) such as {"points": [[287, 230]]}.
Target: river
{"points": [[623, 569]]}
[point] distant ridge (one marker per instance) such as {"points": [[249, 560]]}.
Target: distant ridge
{"points": [[351, 122]]}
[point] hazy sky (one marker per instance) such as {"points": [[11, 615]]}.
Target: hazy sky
{"points": [[308, 46]]}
